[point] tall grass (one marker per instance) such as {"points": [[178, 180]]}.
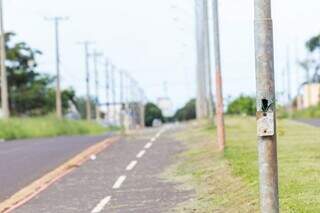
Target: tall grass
{"points": [[18, 128]]}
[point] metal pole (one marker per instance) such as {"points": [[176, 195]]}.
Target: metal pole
{"points": [[4, 80], [56, 21], [219, 91], [266, 107]]}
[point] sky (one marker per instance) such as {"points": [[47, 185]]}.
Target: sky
{"points": [[154, 41]]}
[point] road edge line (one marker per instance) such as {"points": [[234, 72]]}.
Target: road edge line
{"points": [[36, 187]]}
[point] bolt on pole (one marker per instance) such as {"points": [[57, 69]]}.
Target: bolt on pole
{"points": [[266, 107], [4, 80], [219, 92]]}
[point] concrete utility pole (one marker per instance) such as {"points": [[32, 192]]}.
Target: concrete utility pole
{"points": [[266, 107], [107, 90], [4, 80], [113, 92], [56, 20], [142, 109], [95, 56], [88, 100], [219, 91], [201, 103], [289, 82], [122, 106], [207, 59]]}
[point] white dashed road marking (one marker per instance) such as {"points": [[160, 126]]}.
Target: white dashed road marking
{"points": [[101, 205], [141, 153], [131, 165], [119, 182], [148, 145]]}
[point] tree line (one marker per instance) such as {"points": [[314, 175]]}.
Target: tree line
{"points": [[32, 93]]}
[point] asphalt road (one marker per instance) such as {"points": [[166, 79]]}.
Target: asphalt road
{"points": [[124, 178], [23, 161], [313, 122]]}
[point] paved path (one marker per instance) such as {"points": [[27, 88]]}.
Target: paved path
{"points": [[124, 178], [23, 161], [313, 122]]}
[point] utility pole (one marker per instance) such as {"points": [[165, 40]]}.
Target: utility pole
{"points": [[113, 92], [289, 82], [107, 90], [121, 87], [201, 103], [56, 20], [4, 80], [219, 91], [95, 56], [142, 109], [208, 61], [266, 107], [88, 100]]}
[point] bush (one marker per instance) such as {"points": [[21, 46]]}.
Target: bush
{"points": [[152, 112], [242, 105]]}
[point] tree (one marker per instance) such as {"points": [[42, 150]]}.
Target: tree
{"points": [[242, 105], [313, 43], [152, 112], [188, 112], [30, 93]]}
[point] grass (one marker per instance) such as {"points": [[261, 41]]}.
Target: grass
{"points": [[311, 112], [229, 182], [18, 128]]}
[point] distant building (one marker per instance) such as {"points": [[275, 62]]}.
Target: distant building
{"points": [[309, 97]]}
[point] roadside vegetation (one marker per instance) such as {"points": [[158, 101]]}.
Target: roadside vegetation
{"points": [[310, 113], [229, 182], [49, 126]]}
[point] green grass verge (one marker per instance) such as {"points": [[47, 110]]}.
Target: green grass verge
{"points": [[312, 112], [18, 128], [298, 154], [229, 183], [205, 170]]}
